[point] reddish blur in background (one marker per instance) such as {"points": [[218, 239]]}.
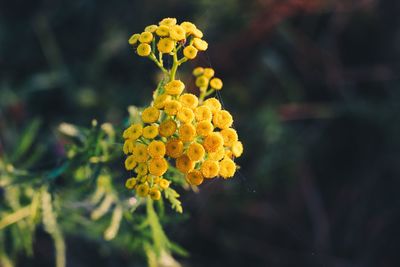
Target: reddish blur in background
{"points": [[314, 89]]}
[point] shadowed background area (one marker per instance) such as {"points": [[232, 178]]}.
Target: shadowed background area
{"points": [[312, 85]]}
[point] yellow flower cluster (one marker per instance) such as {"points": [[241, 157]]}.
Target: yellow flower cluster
{"points": [[179, 131], [169, 37]]}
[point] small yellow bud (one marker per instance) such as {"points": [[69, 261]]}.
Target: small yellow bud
{"points": [[177, 33], [158, 166], [194, 177], [168, 21], [162, 31], [134, 38], [198, 71], [190, 52], [167, 128], [200, 44], [150, 131], [155, 194], [146, 37], [188, 26], [174, 87], [164, 183], [150, 115], [165, 45], [143, 50], [209, 73], [151, 28], [142, 190], [156, 149], [216, 83], [174, 148]]}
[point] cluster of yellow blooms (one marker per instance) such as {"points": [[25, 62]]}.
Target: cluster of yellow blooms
{"points": [[168, 38], [179, 131]]}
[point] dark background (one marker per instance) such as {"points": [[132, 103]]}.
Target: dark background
{"points": [[313, 87]]}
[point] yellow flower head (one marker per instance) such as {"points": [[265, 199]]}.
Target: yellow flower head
{"points": [[213, 142], [142, 190], [146, 37], [213, 104], [195, 152], [230, 136], [130, 183], [165, 45], [168, 21], [156, 179], [187, 132], [133, 132], [160, 101], [174, 148], [128, 147], [197, 33], [237, 148], [203, 113], [134, 38], [198, 71], [156, 149], [143, 50], [228, 154], [202, 81], [210, 168], [188, 26], [167, 128], [177, 33], [217, 155], [222, 119], [158, 166], [150, 115], [154, 193], [227, 168], [216, 83], [162, 31], [189, 100], [204, 128], [194, 177], [164, 183], [172, 107], [184, 164], [174, 87], [151, 28], [209, 72], [150, 132], [130, 163], [144, 178], [200, 44], [140, 153], [185, 115], [190, 52], [141, 169]]}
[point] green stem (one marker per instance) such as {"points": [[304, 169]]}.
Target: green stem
{"points": [[182, 60], [174, 65], [203, 94], [209, 92], [159, 64]]}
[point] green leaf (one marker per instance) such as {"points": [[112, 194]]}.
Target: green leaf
{"points": [[172, 196]]}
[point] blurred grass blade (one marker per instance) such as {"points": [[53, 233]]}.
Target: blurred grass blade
{"points": [[15, 217], [26, 139], [51, 226], [112, 230]]}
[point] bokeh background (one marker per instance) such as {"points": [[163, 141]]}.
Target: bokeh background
{"points": [[314, 89]]}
